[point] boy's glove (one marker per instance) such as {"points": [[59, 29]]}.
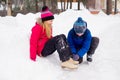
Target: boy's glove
{"points": [[75, 57]]}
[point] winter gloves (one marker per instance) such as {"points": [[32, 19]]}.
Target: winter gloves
{"points": [[75, 57]]}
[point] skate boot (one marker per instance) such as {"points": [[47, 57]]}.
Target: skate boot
{"points": [[89, 57], [73, 61], [93, 46], [69, 65], [80, 60]]}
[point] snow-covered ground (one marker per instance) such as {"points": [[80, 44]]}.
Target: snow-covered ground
{"points": [[14, 48]]}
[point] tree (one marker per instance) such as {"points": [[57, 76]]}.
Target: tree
{"points": [[64, 5], [36, 5], [54, 6], [9, 7], [61, 1], [115, 9], [68, 3], [21, 4], [90, 4], [71, 4], [82, 1], [109, 7], [3, 3], [79, 4], [44, 2]]}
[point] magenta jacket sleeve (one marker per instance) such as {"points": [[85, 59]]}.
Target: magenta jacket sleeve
{"points": [[34, 38]]}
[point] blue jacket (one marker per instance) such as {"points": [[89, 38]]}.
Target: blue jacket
{"points": [[79, 44]]}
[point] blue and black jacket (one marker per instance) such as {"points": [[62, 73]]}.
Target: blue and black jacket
{"points": [[79, 44]]}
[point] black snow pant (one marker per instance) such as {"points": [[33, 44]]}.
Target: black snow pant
{"points": [[93, 46], [58, 43]]}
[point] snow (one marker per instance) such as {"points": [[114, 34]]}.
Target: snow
{"points": [[14, 48]]}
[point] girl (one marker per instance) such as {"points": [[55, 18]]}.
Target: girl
{"points": [[42, 43]]}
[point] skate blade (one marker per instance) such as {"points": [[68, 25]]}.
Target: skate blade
{"points": [[63, 67], [87, 62]]}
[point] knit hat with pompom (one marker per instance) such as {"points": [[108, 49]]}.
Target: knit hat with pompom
{"points": [[46, 14], [80, 25]]}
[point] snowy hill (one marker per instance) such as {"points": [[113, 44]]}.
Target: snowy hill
{"points": [[14, 48]]}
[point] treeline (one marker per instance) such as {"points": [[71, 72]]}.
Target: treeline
{"points": [[12, 7]]}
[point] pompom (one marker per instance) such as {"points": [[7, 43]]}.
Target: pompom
{"points": [[79, 19], [45, 8], [80, 25]]}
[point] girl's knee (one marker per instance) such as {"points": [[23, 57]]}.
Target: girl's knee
{"points": [[62, 36]]}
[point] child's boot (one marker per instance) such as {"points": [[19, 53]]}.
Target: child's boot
{"points": [[69, 65]]}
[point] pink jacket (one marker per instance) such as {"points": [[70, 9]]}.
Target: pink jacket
{"points": [[38, 39]]}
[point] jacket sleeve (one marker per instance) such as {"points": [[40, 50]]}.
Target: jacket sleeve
{"points": [[33, 42], [86, 44], [70, 42]]}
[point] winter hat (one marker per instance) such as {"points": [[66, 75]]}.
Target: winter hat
{"points": [[46, 14], [80, 25]]}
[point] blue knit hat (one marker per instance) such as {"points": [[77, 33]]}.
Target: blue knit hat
{"points": [[80, 25]]}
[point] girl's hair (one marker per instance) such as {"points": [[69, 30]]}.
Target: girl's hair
{"points": [[46, 27]]}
